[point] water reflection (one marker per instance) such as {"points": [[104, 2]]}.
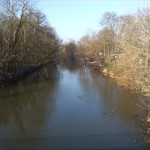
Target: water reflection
{"points": [[78, 109], [119, 107], [25, 107]]}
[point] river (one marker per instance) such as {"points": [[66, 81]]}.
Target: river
{"points": [[70, 109]]}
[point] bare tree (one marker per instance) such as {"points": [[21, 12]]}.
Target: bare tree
{"points": [[26, 38], [109, 20]]}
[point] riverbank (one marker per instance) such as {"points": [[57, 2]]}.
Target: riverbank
{"points": [[122, 79]]}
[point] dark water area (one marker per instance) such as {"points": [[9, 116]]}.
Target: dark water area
{"points": [[70, 108]]}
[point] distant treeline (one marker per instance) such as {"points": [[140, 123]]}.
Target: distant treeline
{"points": [[26, 39], [122, 47]]}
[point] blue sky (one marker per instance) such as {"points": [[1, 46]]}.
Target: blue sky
{"points": [[74, 18]]}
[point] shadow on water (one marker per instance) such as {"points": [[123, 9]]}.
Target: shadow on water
{"points": [[23, 106]]}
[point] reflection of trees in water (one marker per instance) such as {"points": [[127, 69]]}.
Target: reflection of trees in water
{"points": [[113, 97], [145, 104], [24, 106], [72, 65], [49, 72], [127, 102], [87, 81]]}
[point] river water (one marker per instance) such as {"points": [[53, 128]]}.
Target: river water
{"points": [[71, 109]]}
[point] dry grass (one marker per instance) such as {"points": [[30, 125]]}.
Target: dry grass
{"points": [[128, 73]]}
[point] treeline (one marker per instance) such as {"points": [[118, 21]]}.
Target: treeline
{"points": [[122, 47], [68, 54], [26, 39]]}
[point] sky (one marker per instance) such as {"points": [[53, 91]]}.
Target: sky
{"points": [[72, 19]]}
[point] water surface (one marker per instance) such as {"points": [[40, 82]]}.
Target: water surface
{"points": [[78, 109]]}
